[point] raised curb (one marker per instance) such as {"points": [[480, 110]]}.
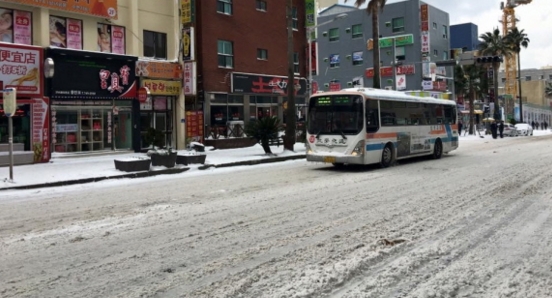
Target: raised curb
{"points": [[155, 173], [97, 179]]}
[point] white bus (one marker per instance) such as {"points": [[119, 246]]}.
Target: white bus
{"points": [[371, 126]]}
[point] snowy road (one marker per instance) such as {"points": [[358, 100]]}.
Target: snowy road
{"points": [[476, 223]]}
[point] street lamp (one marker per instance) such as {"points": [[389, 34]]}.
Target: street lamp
{"points": [[310, 30]]}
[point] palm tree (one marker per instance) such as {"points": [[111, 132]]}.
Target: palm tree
{"points": [[493, 44], [263, 130], [517, 39], [470, 81], [548, 89], [374, 8]]}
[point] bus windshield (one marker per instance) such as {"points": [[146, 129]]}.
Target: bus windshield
{"points": [[335, 114]]}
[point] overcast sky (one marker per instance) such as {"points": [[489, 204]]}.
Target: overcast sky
{"points": [[535, 18]]}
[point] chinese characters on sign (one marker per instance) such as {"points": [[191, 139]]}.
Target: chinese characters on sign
{"points": [[19, 68], [117, 81], [186, 11]]}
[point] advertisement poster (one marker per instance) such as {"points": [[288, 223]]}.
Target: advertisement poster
{"points": [[21, 69], [401, 82], [74, 34], [99, 8], [118, 40], [40, 130], [22, 27], [6, 25], [58, 32], [104, 38], [194, 125]]}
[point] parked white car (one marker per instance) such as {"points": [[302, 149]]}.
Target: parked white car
{"points": [[510, 130], [524, 129]]}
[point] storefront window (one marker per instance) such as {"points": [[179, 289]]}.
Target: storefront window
{"points": [[157, 115], [82, 129], [21, 126], [235, 113]]}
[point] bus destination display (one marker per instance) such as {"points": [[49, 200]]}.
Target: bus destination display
{"points": [[333, 100]]}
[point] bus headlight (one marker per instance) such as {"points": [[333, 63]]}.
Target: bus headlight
{"points": [[359, 149]]}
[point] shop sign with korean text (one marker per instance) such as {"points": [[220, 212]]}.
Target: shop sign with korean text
{"points": [[162, 87], [21, 68], [186, 11], [425, 41], [92, 77], [255, 84], [386, 71], [189, 78], [400, 40], [158, 70], [188, 44], [98, 8]]}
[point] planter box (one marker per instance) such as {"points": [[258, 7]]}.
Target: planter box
{"points": [[230, 143], [188, 159], [163, 160], [136, 165]]}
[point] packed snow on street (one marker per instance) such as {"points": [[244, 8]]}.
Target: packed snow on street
{"points": [[476, 223]]}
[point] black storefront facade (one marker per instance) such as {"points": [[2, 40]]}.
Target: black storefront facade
{"points": [[253, 96], [93, 101]]}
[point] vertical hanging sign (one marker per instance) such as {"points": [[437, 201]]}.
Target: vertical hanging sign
{"points": [[187, 44], [310, 13]]}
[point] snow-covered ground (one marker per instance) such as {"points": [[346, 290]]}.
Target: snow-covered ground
{"points": [[477, 223]]}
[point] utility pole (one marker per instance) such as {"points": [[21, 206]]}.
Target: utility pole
{"points": [[289, 138]]}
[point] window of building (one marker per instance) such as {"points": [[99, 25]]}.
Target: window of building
{"points": [[357, 58], [445, 31], [550, 76], [296, 62], [334, 60], [528, 78], [445, 55], [225, 53], [155, 44], [400, 53], [434, 25], [503, 80], [65, 33], [261, 5], [294, 18], [334, 34], [398, 25], [435, 53], [224, 6], [111, 39], [357, 31], [541, 77], [16, 20], [262, 54]]}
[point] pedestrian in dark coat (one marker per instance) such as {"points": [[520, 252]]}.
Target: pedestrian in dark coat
{"points": [[533, 124], [494, 129], [460, 125], [501, 129]]}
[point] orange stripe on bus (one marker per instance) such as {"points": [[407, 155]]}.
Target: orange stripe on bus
{"points": [[385, 135], [437, 132]]}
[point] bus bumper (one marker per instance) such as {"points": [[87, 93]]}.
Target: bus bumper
{"points": [[350, 159]]}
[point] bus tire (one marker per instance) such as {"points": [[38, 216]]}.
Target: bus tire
{"points": [[386, 156], [437, 149]]}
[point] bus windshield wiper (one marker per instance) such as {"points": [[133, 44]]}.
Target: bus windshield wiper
{"points": [[318, 135], [342, 134]]}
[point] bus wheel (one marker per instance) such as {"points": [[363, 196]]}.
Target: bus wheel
{"points": [[386, 156], [437, 149], [338, 164]]}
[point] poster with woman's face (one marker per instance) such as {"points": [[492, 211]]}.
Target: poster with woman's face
{"points": [[104, 38], [58, 32], [6, 25]]}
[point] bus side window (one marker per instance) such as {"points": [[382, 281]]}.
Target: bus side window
{"points": [[372, 116]]}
